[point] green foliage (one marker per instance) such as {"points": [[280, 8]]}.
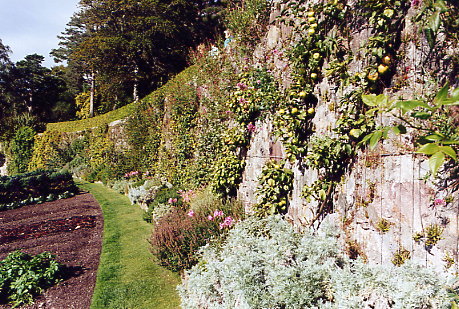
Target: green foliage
{"points": [[161, 197], [264, 263], [274, 187], [82, 102], [383, 226], [46, 153], [437, 137], [227, 175], [431, 235], [143, 130], [21, 150], [436, 17], [293, 126], [255, 92], [23, 276], [401, 256], [247, 20], [35, 187], [84, 124]]}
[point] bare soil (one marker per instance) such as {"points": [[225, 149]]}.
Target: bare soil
{"points": [[71, 229]]}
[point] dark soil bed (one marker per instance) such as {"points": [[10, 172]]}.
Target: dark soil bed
{"points": [[71, 229]]}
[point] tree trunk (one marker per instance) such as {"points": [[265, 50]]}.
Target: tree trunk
{"points": [[91, 98], [136, 85]]}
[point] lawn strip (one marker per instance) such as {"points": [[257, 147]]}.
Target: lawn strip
{"points": [[127, 276]]}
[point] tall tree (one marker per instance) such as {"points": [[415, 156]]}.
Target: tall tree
{"points": [[131, 46]]}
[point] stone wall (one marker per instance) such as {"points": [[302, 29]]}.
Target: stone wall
{"points": [[389, 183]]}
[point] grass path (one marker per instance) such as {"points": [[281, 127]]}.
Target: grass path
{"points": [[127, 276]]}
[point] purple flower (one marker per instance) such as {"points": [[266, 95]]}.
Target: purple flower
{"points": [[242, 101], [415, 2]]}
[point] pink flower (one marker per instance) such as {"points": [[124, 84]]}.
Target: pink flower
{"points": [[242, 86], [218, 213], [210, 218], [191, 213], [415, 2], [439, 202], [251, 128], [186, 195], [242, 101], [229, 221]]}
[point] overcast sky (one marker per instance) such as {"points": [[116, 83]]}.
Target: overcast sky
{"points": [[32, 26]]}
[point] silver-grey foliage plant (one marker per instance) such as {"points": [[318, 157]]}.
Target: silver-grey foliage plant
{"points": [[266, 264]]}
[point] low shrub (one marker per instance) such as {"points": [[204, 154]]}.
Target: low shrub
{"points": [[264, 263], [35, 187], [21, 150], [180, 233], [23, 276], [160, 200]]}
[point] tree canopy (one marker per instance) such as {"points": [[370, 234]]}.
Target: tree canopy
{"points": [[133, 46]]}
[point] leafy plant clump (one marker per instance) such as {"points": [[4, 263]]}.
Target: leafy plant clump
{"points": [[23, 276], [35, 187], [21, 150], [264, 263], [276, 184]]}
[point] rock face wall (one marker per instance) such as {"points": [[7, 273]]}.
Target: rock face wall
{"points": [[385, 200]]}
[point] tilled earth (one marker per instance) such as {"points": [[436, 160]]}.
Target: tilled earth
{"points": [[71, 229]]}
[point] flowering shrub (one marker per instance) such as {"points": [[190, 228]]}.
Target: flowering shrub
{"points": [[264, 263], [180, 232], [178, 236]]}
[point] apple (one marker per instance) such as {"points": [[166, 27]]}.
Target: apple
{"points": [[386, 60], [302, 94], [355, 132], [316, 56], [382, 68], [311, 110], [310, 13], [313, 75], [311, 31], [311, 19], [373, 76]]}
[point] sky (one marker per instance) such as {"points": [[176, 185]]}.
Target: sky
{"points": [[32, 26]]}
